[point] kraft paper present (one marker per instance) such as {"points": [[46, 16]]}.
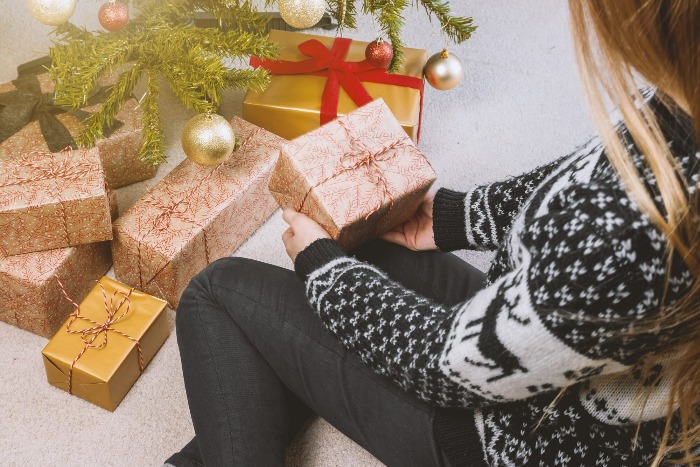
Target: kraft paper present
{"points": [[30, 122], [52, 200], [291, 104], [196, 215], [357, 176], [106, 343], [30, 297]]}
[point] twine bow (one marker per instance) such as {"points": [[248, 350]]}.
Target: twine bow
{"points": [[348, 75], [91, 334], [364, 157], [27, 103]]}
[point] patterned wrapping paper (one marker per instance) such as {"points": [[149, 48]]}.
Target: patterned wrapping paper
{"points": [[52, 200], [30, 297], [290, 105], [196, 215], [106, 343], [357, 176], [30, 96]]}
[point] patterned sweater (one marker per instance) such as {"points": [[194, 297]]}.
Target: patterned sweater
{"points": [[577, 267]]}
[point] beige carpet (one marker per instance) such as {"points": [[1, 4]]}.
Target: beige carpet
{"points": [[520, 105]]}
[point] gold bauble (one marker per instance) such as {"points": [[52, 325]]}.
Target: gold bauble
{"points": [[208, 139], [302, 14], [444, 70], [52, 12]]}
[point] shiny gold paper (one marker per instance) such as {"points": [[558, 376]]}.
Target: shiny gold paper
{"points": [[104, 375], [290, 106]]}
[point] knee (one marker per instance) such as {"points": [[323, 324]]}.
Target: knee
{"points": [[202, 288]]}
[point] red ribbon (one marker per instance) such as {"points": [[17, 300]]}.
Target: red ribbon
{"points": [[340, 73]]}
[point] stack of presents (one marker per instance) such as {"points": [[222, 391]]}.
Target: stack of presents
{"points": [[344, 155]]}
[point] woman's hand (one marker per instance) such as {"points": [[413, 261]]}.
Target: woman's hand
{"points": [[416, 233], [302, 232]]}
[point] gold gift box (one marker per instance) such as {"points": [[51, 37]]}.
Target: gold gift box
{"points": [[104, 374], [291, 105]]}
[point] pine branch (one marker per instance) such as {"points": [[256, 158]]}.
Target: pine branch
{"points": [[347, 20], [104, 118], [457, 28], [389, 14], [153, 149]]}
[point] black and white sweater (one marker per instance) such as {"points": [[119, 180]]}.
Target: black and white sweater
{"points": [[577, 267]]}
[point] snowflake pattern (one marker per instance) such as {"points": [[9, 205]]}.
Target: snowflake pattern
{"points": [[577, 267]]}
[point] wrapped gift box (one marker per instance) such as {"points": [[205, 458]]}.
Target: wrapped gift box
{"points": [[292, 104], [52, 200], [357, 176], [30, 297], [196, 215], [30, 122], [103, 347]]}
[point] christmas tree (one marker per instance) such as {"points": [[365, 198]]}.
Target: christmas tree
{"points": [[163, 39]]}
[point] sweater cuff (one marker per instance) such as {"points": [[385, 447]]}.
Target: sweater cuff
{"points": [[319, 253], [449, 226]]}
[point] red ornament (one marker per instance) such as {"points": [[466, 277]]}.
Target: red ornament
{"points": [[379, 53], [113, 15]]}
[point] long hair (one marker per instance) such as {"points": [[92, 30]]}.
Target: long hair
{"points": [[619, 43]]}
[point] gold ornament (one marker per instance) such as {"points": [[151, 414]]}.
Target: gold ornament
{"points": [[444, 70], [302, 14], [208, 139], [52, 12]]}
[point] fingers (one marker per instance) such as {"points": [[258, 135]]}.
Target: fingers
{"points": [[395, 237], [288, 214], [287, 234]]}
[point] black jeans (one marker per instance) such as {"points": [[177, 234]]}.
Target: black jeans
{"points": [[258, 362]]}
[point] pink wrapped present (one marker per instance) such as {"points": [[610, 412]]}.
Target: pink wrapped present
{"points": [[357, 176], [196, 215], [30, 297], [52, 200]]}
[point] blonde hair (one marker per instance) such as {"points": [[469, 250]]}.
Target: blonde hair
{"points": [[617, 42]]}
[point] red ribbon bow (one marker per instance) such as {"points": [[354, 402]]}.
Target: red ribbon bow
{"points": [[340, 73]]}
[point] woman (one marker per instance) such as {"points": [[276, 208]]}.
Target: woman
{"points": [[578, 348]]}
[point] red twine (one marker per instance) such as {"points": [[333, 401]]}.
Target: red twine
{"points": [[98, 329]]}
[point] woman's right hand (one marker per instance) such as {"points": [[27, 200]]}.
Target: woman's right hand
{"points": [[416, 233]]}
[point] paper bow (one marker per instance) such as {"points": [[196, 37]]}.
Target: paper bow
{"points": [[27, 103]]}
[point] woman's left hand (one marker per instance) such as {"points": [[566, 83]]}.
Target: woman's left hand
{"points": [[302, 232]]}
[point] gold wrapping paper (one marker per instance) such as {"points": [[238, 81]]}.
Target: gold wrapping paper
{"points": [[119, 152], [104, 373], [50, 201], [290, 106], [357, 176], [29, 294], [196, 215]]}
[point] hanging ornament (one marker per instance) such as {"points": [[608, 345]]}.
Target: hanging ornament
{"points": [[208, 139], [52, 12], [444, 70], [302, 14], [379, 53], [113, 15]]}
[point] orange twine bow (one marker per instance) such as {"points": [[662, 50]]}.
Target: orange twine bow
{"points": [[91, 334], [367, 158], [66, 169]]}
